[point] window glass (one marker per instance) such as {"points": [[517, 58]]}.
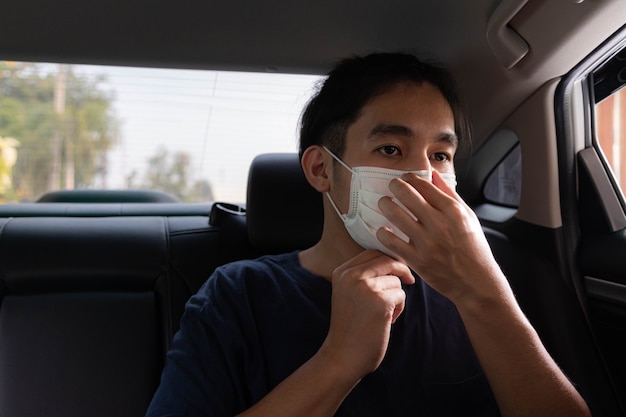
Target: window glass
{"points": [[190, 133], [610, 122], [504, 184]]}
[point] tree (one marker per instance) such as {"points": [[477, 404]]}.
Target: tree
{"points": [[8, 157], [169, 172], [64, 123]]}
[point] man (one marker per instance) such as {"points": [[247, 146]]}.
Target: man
{"points": [[344, 327]]}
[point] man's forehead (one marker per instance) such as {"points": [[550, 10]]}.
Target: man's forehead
{"points": [[415, 102]]}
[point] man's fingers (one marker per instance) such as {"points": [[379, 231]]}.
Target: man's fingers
{"points": [[372, 264]]}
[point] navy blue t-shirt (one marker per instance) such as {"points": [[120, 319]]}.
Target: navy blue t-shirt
{"points": [[253, 323]]}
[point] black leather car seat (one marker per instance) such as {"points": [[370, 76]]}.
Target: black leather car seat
{"points": [[89, 306], [283, 211]]}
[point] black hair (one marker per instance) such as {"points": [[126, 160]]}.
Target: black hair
{"points": [[355, 81]]}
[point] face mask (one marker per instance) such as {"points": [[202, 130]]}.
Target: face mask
{"points": [[367, 187]]}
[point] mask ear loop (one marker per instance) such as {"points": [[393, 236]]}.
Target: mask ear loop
{"points": [[341, 216], [336, 158]]}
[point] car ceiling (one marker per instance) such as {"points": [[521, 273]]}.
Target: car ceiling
{"points": [[308, 37]]}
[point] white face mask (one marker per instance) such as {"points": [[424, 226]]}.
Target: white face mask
{"points": [[367, 187]]}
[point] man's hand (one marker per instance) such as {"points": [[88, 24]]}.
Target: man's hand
{"points": [[448, 249], [447, 246], [367, 298]]}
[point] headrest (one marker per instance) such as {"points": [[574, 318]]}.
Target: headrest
{"points": [[107, 196], [284, 212]]}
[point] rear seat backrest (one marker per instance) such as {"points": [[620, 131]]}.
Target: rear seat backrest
{"points": [[88, 307]]}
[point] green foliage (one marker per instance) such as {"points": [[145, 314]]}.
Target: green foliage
{"points": [[169, 172], [60, 147]]}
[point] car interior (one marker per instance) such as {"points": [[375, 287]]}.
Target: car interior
{"points": [[93, 282]]}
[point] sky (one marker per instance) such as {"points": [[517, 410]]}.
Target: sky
{"points": [[222, 119]]}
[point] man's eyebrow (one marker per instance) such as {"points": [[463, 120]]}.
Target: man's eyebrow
{"points": [[383, 129], [450, 138]]}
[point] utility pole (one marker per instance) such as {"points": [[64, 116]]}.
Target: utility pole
{"points": [[60, 89], [69, 158]]}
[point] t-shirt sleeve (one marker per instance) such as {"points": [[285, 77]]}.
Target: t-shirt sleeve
{"points": [[209, 356]]}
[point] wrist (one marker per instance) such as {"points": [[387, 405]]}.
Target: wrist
{"points": [[337, 368], [487, 297]]}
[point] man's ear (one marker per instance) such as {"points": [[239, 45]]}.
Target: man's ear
{"points": [[315, 164]]}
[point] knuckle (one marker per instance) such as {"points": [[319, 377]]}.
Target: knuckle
{"points": [[457, 210]]}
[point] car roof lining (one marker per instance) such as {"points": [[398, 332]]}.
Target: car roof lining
{"points": [[247, 35]]}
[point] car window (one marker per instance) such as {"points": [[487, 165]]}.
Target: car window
{"points": [[504, 184], [191, 133], [610, 115]]}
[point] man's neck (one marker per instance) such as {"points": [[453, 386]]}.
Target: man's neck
{"points": [[332, 250]]}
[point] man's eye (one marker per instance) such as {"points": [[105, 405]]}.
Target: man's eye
{"points": [[441, 157], [389, 150]]}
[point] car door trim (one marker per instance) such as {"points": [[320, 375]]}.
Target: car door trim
{"points": [[605, 290]]}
